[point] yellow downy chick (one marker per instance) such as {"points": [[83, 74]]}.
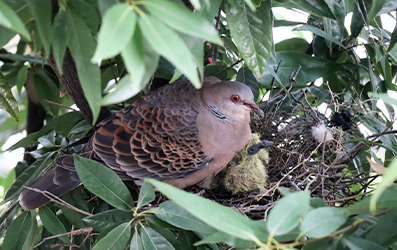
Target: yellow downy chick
{"points": [[247, 170]]}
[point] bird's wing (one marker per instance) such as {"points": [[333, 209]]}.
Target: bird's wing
{"points": [[156, 137]]}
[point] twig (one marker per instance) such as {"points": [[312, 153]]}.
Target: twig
{"points": [[218, 19], [73, 232], [60, 105]]}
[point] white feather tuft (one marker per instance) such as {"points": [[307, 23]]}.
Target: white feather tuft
{"points": [[321, 133]]}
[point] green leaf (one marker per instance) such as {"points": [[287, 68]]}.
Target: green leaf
{"points": [[60, 37], [245, 76], [136, 242], [218, 70], [172, 213], [118, 25], [318, 8], [252, 32], [380, 7], [6, 36], [388, 178], [31, 238], [103, 182], [61, 124], [322, 221], [360, 244], [337, 8], [319, 32], [117, 239], [287, 213], [167, 43], [52, 223], [107, 219], [11, 21], [41, 10], [294, 44], [146, 195], [183, 20], [213, 214], [385, 229], [7, 100], [209, 9], [82, 46], [21, 78], [18, 232], [153, 240], [393, 39], [225, 238]]}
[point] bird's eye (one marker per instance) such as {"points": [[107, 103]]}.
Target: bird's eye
{"points": [[235, 98]]}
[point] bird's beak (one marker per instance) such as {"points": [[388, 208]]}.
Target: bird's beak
{"points": [[255, 109]]}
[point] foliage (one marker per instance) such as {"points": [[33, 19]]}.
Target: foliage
{"points": [[125, 45]]}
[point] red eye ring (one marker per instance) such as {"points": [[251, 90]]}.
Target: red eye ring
{"points": [[235, 98]]}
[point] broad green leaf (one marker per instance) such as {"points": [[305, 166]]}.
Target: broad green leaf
{"points": [[175, 215], [46, 90], [11, 21], [292, 44], [21, 78], [117, 239], [380, 7], [103, 182], [388, 178], [213, 214], [318, 8], [18, 232], [168, 44], [195, 46], [118, 25], [7, 100], [218, 70], [252, 32], [245, 76], [136, 242], [337, 8], [61, 124], [146, 195], [209, 9], [153, 240], [360, 244], [52, 223], [287, 213], [6, 36], [359, 18], [229, 44], [319, 32], [322, 221], [31, 238], [187, 239], [41, 10], [393, 39], [102, 221], [60, 37], [82, 46], [219, 237], [385, 229], [183, 20]]}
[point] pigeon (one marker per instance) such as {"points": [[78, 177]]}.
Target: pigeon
{"points": [[177, 134]]}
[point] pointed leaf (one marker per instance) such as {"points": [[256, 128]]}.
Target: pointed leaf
{"points": [[102, 221], [319, 32], [103, 182], [175, 215], [213, 214], [21, 78], [252, 32], [183, 20], [7, 100], [167, 43], [60, 31], [41, 10], [245, 76], [52, 223], [287, 213], [381, 7], [209, 10], [118, 25], [322, 221], [11, 21], [18, 232], [117, 239], [136, 242], [153, 240], [146, 195]]}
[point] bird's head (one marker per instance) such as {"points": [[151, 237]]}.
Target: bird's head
{"points": [[233, 99]]}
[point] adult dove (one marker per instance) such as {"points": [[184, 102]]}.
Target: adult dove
{"points": [[177, 134]]}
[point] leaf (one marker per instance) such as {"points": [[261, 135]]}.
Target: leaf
{"points": [[169, 45], [31, 239], [117, 239], [388, 178], [322, 221], [294, 44], [175, 215], [245, 76], [252, 33], [287, 213], [378, 168], [107, 219], [318, 8], [213, 214], [384, 230], [136, 242], [60, 37], [52, 223], [393, 39], [18, 232], [6, 36], [153, 240], [380, 7], [118, 25], [11, 21], [227, 239], [183, 20], [218, 70], [360, 244], [7, 100], [82, 46], [61, 124], [209, 9], [21, 78], [146, 195], [103, 182], [41, 10], [319, 32]]}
